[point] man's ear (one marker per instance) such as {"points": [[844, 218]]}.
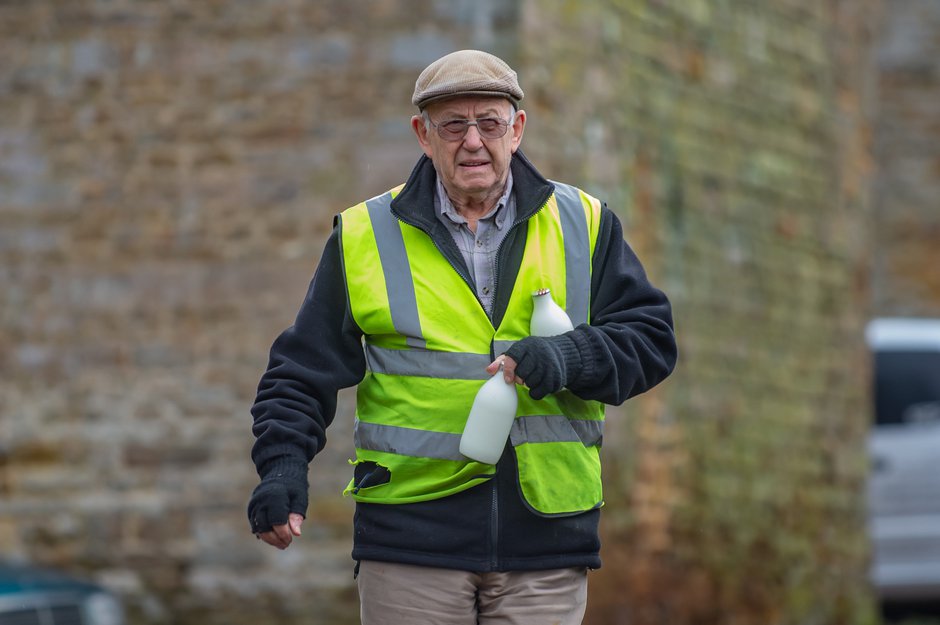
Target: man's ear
{"points": [[421, 132], [518, 126]]}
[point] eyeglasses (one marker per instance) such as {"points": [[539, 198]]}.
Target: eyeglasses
{"points": [[456, 129]]}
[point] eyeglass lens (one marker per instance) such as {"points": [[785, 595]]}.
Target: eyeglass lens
{"points": [[488, 127]]}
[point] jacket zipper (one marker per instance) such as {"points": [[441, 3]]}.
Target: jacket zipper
{"points": [[494, 527], [494, 508]]}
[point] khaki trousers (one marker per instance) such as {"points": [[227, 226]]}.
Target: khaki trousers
{"points": [[402, 594]]}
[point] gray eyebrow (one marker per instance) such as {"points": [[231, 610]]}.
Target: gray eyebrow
{"points": [[427, 117], [490, 112]]}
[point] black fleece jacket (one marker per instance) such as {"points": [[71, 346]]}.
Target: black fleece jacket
{"points": [[627, 348]]}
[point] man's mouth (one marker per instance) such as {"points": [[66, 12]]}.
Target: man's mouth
{"points": [[473, 164]]}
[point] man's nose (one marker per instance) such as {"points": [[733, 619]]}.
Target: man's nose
{"points": [[472, 138]]}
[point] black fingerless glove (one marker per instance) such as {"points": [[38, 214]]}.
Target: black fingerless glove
{"points": [[282, 490], [546, 363]]}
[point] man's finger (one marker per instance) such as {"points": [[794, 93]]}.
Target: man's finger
{"points": [[279, 536], [509, 368], [272, 539], [283, 533], [493, 367], [295, 520]]}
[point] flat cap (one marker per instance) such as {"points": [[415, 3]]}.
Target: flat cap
{"points": [[466, 72]]}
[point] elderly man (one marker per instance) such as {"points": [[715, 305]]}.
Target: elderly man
{"points": [[421, 294]]}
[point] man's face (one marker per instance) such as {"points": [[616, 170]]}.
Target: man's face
{"points": [[471, 167]]}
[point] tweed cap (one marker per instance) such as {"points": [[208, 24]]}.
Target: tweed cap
{"points": [[466, 72]]}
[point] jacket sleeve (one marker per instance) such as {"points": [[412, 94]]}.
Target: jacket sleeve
{"points": [[629, 346], [309, 362]]}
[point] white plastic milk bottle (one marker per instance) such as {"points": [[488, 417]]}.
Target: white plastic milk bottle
{"points": [[548, 318], [494, 407], [490, 420]]}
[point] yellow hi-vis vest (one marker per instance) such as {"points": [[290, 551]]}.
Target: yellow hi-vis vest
{"points": [[428, 341]]}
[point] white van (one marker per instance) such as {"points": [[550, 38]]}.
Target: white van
{"points": [[904, 488]]}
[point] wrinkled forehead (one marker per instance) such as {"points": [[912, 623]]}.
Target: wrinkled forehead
{"points": [[470, 106]]}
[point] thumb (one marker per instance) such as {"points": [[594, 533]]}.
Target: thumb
{"points": [[295, 520]]}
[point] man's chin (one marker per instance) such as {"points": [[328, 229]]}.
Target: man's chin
{"points": [[478, 183]]}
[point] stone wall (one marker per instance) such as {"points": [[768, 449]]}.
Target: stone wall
{"points": [[733, 139], [907, 149], [168, 173]]}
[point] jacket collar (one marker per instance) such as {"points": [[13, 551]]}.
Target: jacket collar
{"points": [[415, 203]]}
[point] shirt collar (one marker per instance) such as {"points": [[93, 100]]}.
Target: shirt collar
{"points": [[446, 207]]}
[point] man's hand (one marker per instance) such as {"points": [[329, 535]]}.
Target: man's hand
{"points": [[279, 503], [281, 536], [541, 363]]}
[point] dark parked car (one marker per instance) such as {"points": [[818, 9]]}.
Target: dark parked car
{"points": [[34, 596], [904, 489]]}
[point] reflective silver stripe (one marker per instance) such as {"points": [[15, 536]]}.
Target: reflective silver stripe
{"points": [[429, 364], [556, 429], [407, 441], [404, 441], [501, 347], [589, 431], [574, 227], [398, 283]]}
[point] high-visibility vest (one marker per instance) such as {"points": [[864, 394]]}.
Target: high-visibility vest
{"points": [[428, 341]]}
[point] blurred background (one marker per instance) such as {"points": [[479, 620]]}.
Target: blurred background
{"points": [[169, 171]]}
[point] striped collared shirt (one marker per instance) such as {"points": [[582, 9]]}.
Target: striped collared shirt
{"points": [[479, 248]]}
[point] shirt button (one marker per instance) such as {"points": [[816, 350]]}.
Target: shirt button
{"points": [[486, 290], [479, 242]]}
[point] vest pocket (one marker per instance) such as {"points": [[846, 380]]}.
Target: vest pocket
{"points": [[381, 477], [561, 478], [368, 473]]}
